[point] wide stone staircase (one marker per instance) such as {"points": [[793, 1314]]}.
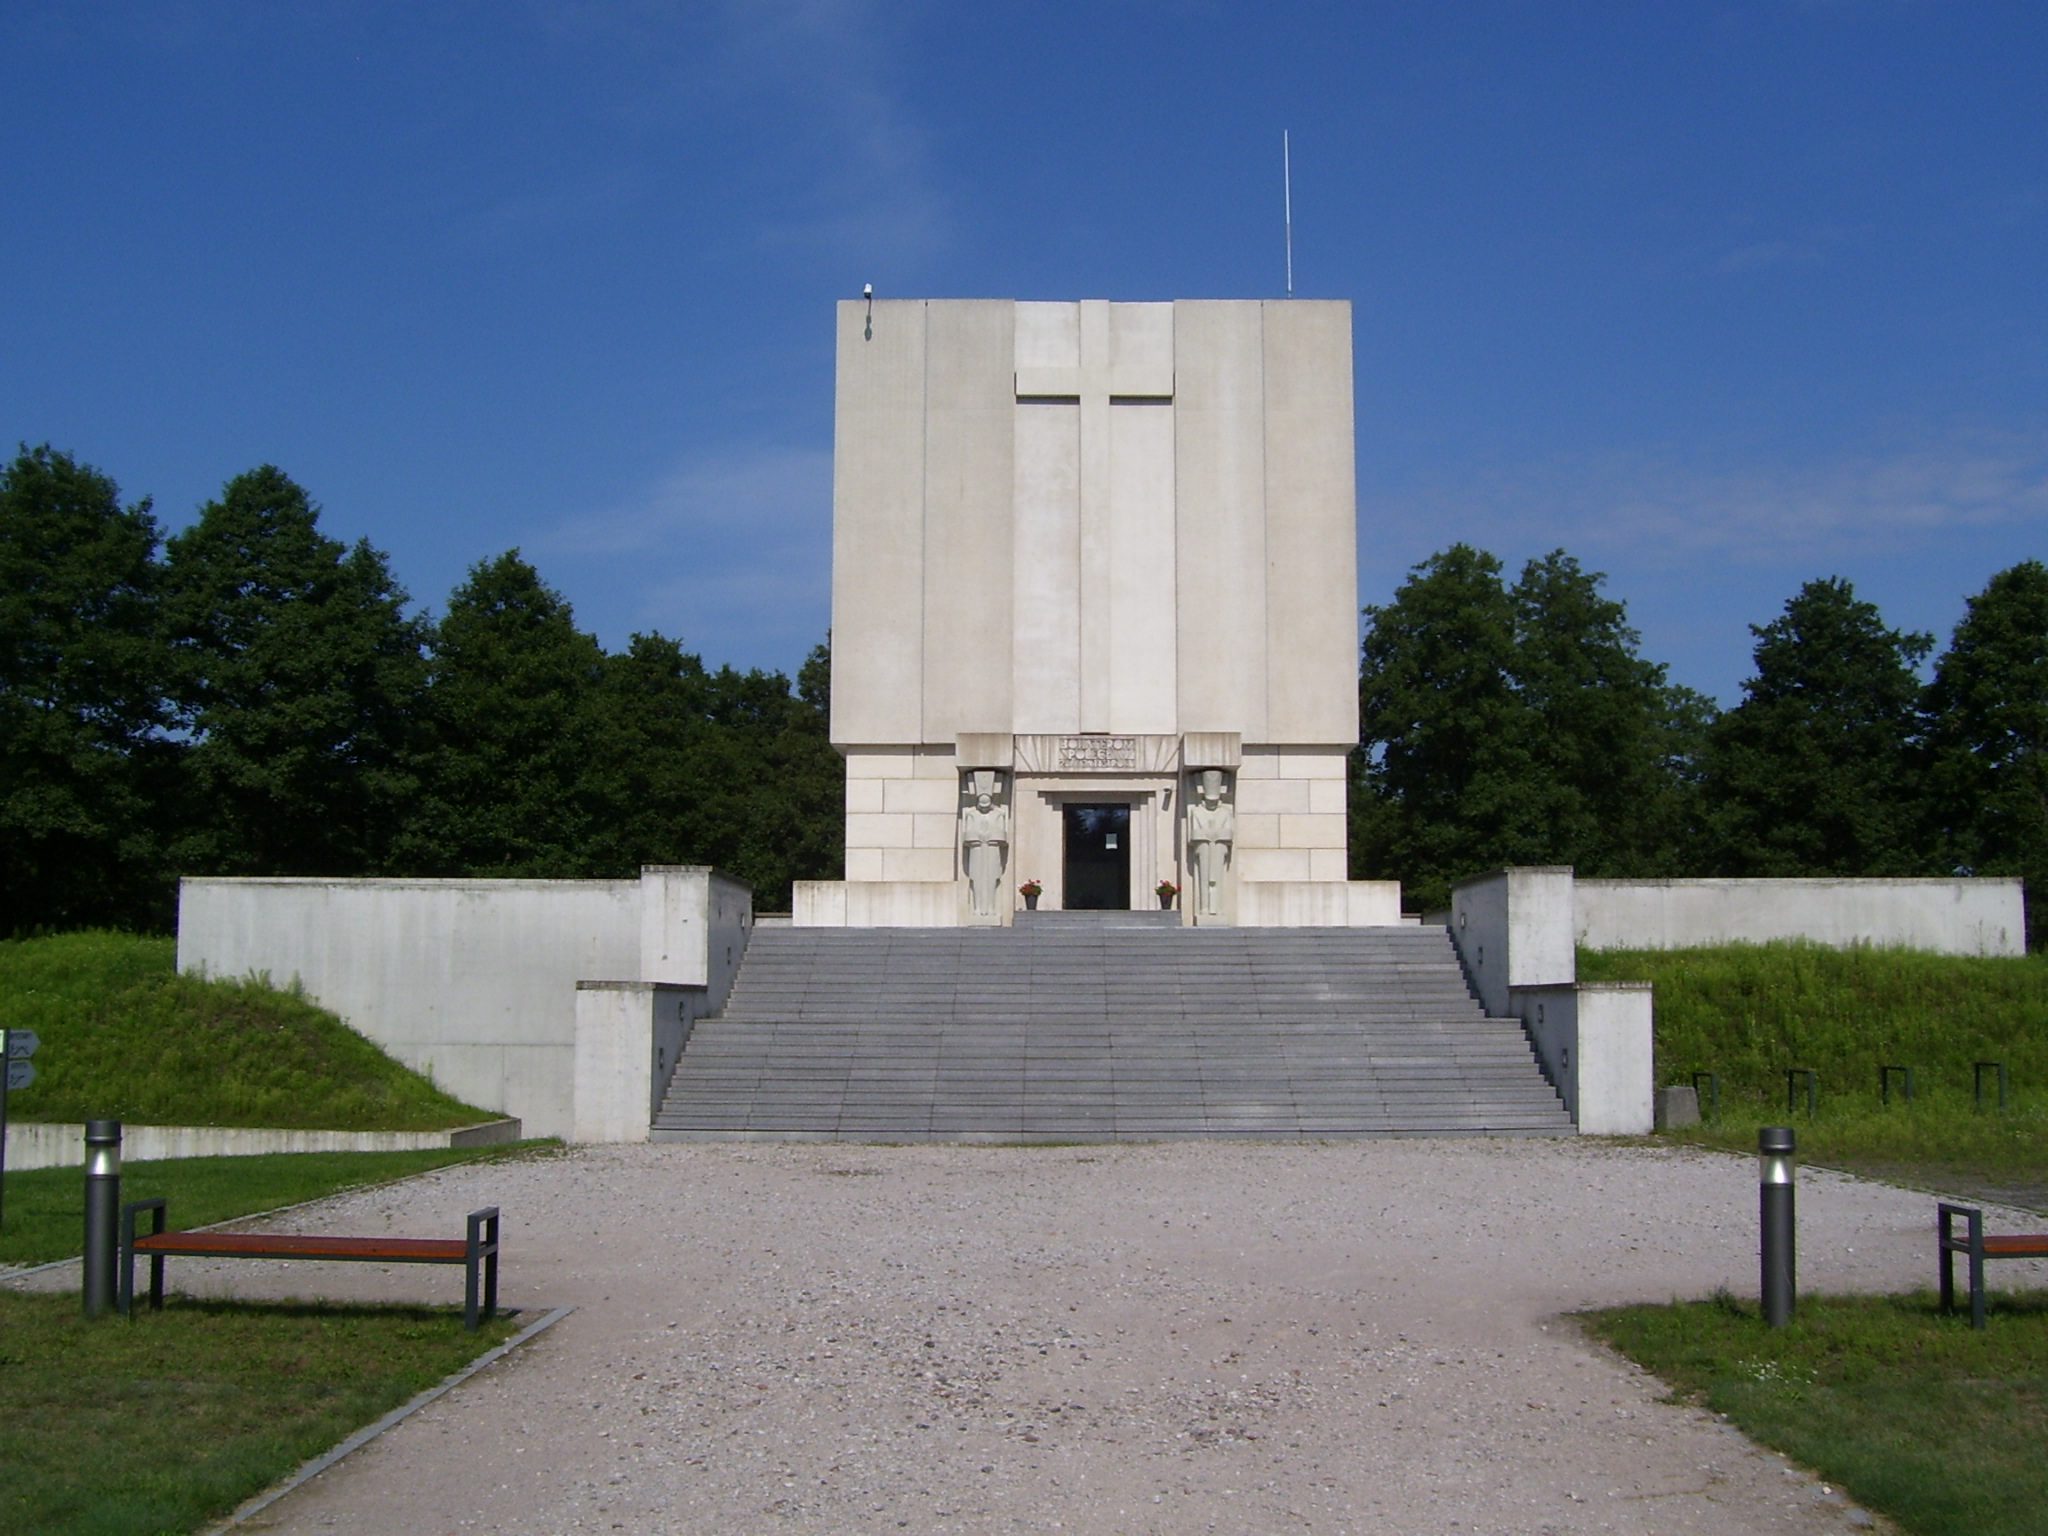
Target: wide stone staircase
{"points": [[1101, 1026]]}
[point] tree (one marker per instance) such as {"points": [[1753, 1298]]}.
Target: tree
{"points": [[1614, 739], [649, 709], [510, 733], [796, 820], [1987, 729], [1516, 726], [299, 676], [1811, 774], [1447, 785], [83, 756]]}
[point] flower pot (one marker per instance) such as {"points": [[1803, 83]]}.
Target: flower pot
{"points": [[1031, 901], [1165, 900]]}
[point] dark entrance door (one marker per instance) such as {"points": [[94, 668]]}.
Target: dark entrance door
{"points": [[1098, 872]]}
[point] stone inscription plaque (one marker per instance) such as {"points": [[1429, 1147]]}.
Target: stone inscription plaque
{"points": [[1083, 754], [1104, 753]]}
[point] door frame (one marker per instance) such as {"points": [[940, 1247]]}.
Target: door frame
{"points": [[1041, 834], [1128, 851]]}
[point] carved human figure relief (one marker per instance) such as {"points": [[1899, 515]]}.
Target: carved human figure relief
{"points": [[1212, 828], [984, 843]]}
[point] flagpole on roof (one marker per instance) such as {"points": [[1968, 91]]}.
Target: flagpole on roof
{"points": [[1287, 192]]}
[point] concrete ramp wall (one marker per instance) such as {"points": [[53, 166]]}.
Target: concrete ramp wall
{"points": [[1947, 916], [473, 982], [1518, 932]]}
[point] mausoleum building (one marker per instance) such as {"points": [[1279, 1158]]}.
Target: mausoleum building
{"points": [[1094, 631], [1094, 611]]}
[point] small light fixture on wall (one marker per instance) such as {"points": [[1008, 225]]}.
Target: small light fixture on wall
{"points": [[867, 291]]}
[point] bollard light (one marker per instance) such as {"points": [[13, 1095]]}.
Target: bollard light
{"points": [[1777, 1162], [102, 1213]]}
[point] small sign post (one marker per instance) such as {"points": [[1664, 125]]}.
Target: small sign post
{"points": [[16, 1046]]}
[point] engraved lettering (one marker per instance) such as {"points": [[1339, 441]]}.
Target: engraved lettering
{"points": [[1098, 753]]}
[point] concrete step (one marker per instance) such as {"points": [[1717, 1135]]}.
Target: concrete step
{"points": [[1081, 1026]]}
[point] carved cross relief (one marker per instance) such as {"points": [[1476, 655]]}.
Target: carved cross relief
{"points": [[1095, 385]]}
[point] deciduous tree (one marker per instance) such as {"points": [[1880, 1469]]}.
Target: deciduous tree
{"points": [[1614, 741], [509, 733], [1812, 773], [83, 758], [1987, 729], [1447, 786], [299, 675]]}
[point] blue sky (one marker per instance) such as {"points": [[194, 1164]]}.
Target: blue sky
{"points": [[1717, 297]]}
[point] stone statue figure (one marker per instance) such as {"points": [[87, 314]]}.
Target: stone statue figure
{"points": [[984, 844], [1212, 827]]}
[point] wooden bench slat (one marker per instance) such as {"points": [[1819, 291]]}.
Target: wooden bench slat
{"points": [[2021, 1245], [244, 1245], [1959, 1229], [476, 1252]]}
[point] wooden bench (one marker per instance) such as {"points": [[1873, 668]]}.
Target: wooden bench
{"points": [[1973, 1241], [477, 1254]]}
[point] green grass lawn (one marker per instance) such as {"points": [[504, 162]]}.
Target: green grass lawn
{"points": [[167, 1422], [1749, 1012], [125, 1037], [45, 1208], [1913, 1414]]}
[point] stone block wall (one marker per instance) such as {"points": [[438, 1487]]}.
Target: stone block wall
{"points": [[1291, 814], [902, 813]]}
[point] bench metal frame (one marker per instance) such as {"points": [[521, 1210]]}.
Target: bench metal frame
{"points": [[1973, 1242], [477, 1253]]}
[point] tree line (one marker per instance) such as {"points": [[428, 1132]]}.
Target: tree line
{"points": [[1520, 724], [252, 697]]}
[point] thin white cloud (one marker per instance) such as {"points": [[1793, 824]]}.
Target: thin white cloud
{"points": [[730, 551], [767, 618], [1657, 507], [1810, 247], [773, 496], [827, 68], [804, 98]]}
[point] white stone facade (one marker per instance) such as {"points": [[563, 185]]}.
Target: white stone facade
{"points": [[1091, 550]]}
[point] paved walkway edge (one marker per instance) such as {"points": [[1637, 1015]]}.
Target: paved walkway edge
{"points": [[362, 1437], [61, 1144]]}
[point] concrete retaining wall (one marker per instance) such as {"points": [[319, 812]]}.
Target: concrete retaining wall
{"points": [[936, 904], [1596, 1042], [1513, 928], [629, 1036], [57, 1145], [1517, 931], [1950, 917], [473, 982], [1319, 904], [875, 904]]}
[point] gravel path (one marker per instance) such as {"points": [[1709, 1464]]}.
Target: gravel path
{"points": [[1185, 1337]]}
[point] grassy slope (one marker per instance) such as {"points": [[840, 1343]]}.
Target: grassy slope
{"points": [[1748, 1012], [1916, 1415], [124, 1036]]}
